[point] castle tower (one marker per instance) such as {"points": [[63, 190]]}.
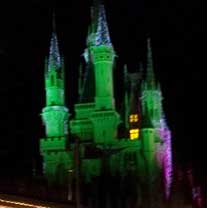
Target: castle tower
{"points": [[151, 94], [105, 119], [55, 116], [156, 147], [103, 59]]}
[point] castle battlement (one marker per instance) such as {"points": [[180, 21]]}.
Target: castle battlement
{"points": [[53, 143]]}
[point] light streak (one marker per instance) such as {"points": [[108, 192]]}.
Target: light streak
{"points": [[20, 203]]}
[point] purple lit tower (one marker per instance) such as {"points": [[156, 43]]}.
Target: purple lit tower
{"points": [[151, 98]]}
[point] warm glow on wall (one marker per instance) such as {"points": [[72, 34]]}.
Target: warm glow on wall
{"points": [[133, 118], [134, 134]]}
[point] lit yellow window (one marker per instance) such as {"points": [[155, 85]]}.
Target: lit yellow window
{"points": [[133, 118], [134, 134]]}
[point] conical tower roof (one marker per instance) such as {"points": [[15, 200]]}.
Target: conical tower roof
{"points": [[102, 36], [54, 60]]}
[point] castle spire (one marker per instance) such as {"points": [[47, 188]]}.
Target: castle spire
{"points": [[102, 33], [54, 61], [92, 28], [94, 15], [150, 77]]}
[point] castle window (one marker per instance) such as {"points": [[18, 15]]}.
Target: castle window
{"points": [[134, 134], [133, 118]]}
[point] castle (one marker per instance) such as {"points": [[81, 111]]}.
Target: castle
{"points": [[100, 139]]}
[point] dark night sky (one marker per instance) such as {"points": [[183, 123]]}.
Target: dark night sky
{"points": [[24, 41]]}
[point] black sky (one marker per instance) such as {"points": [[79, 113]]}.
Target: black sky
{"points": [[24, 41]]}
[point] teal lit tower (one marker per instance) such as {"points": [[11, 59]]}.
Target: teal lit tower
{"points": [[55, 116]]}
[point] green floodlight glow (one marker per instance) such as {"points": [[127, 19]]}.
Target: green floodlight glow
{"points": [[90, 142]]}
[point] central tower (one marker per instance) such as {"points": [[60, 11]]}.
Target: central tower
{"points": [[105, 118], [103, 59]]}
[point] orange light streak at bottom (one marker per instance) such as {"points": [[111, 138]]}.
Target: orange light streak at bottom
{"points": [[19, 203]]}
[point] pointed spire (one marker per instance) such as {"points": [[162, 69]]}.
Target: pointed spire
{"points": [[102, 33], [150, 77], [54, 60], [90, 41], [94, 15]]}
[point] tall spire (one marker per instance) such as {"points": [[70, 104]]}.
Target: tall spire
{"points": [[54, 60], [102, 33], [150, 77]]}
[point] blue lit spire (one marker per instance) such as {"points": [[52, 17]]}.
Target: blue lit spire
{"points": [[54, 60], [102, 33]]}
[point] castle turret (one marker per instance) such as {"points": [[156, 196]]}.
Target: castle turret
{"points": [[103, 59], [151, 99], [54, 74], [151, 94], [55, 114], [55, 118], [105, 119]]}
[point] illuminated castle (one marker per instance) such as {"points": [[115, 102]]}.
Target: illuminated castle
{"points": [[144, 149]]}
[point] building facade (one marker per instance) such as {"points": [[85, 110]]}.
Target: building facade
{"points": [[100, 140]]}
